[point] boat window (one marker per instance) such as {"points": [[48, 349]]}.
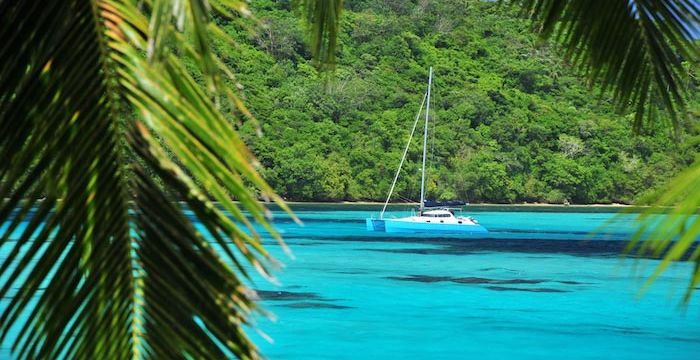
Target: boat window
{"points": [[437, 215]]}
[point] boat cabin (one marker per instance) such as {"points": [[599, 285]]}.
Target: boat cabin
{"points": [[438, 213]]}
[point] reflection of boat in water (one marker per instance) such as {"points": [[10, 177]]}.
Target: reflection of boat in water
{"points": [[441, 220]]}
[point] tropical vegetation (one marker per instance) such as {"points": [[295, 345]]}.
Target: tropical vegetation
{"points": [[512, 121]]}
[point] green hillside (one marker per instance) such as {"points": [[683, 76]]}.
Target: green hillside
{"points": [[512, 122]]}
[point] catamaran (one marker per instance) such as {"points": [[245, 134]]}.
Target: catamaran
{"points": [[436, 220]]}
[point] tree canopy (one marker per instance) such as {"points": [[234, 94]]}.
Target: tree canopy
{"points": [[512, 121]]}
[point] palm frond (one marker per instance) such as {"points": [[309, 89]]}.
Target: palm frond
{"points": [[53, 108], [674, 234], [172, 254], [103, 261], [635, 48], [322, 19]]}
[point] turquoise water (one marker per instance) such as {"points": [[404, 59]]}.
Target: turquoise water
{"points": [[538, 286]]}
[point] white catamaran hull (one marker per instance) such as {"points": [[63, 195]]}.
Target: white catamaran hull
{"points": [[416, 225]]}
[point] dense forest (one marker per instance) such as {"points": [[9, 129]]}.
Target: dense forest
{"points": [[511, 122]]}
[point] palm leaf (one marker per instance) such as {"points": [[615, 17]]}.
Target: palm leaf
{"points": [[635, 48], [674, 235], [322, 19], [103, 262]]}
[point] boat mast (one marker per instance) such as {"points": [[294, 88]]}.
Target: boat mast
{"points": [[425, 143], [403, 157]]}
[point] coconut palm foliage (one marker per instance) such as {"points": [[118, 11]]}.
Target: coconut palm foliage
{"points": [[673, 236], [635, 48], [322, 17], [97, 264], [639, 49]]}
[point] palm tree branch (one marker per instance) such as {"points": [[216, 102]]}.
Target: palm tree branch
{"points": [[89, 228], [165, 259], [218, 166], [322, 20], [671, 227], [633, 48], [113, 276]]}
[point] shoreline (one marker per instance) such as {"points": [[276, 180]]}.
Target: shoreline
{"points": [[469, 208], [373, 203], [378, 203]]}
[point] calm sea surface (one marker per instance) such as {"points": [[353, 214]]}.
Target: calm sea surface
{"points": [[540, 286]]}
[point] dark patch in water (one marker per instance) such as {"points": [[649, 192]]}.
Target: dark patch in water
{"points": [[497, 268], [540, 290], [351, 272], [421, 278], [627, 330], [424, 251], [520, 281], [475, 246], [477, 280], [273, 295], [304, 243], [465, 280], [570, 282], [472, 280], [601, 244], [675, 338], [315, 305], [538, 231]]}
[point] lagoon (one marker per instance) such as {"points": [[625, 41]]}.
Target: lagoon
{"points": [[546, 283], [539, 286]]}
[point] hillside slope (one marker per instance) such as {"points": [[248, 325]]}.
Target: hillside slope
{"points": [[512, 123]]}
